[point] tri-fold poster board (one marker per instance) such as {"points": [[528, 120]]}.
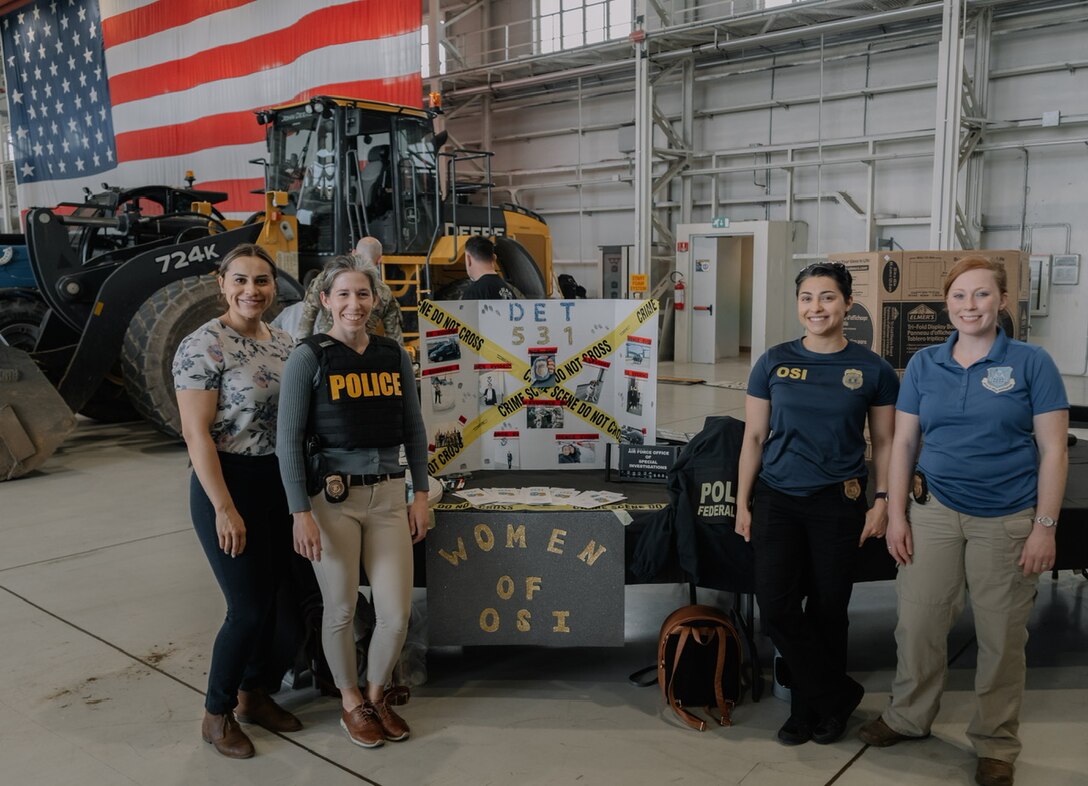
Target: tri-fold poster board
{"points": [[536, 384]]}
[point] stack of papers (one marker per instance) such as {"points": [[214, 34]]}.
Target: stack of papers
{"points": [[538, 495]]}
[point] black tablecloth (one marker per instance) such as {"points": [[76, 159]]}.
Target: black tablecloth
{"points": [[874, 564]]}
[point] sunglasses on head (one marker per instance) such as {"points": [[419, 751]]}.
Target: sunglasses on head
{"points": [[822, 266]]}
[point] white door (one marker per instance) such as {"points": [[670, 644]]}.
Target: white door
{"points": [[704, 273]]}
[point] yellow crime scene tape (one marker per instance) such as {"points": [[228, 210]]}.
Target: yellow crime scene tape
{"points": [[485, 348]]}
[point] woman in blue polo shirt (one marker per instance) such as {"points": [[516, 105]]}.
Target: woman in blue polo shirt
{"points": [[991, 415], [801, 498]]}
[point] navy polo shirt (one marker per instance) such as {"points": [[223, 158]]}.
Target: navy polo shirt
{"points": [[978, 451], [819, 403]]}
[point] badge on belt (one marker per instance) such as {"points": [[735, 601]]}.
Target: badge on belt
{"points": [[852, 489], [919, 488], [336, 488]]}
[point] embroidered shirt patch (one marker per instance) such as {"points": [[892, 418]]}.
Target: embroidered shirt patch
{"points": [[852, 378], [999, 379]]}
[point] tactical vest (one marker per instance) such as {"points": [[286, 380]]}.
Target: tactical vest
{"points": [[359, 399]]}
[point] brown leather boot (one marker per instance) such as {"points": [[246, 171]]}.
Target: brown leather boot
{"points": [[226, 735], [256, 706]]}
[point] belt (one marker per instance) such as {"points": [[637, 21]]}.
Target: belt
{"points": [[370, 480]]}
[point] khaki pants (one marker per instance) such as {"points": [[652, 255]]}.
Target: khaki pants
{"points": [[370, 526], [955, 555]]}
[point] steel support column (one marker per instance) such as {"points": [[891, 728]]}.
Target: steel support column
{"points": [[977, 89], [644, 149], [946, 135], [687, 132]]}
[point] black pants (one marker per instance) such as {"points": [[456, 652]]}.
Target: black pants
{"points": [[242, 656], [805, 547]]}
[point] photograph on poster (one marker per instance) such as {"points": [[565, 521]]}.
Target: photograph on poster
{"points": [[491, 388], [636, 353], [634, 396], [581, 452], [448, 435], [507, 454], [589, 384], [542, 367], [544, 416], [444, 348], [631, 435], [442, 392]]}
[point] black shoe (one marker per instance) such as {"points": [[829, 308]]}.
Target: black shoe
{"points": [[795, 731], [831, 727]]}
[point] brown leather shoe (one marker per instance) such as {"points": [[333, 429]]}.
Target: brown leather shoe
{"points": [[256, 706], [363, 726], [880, 735], [993, 772], [226, 735], [394, 727]]}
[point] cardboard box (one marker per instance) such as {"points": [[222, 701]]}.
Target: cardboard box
{"points": [[898, 299]]}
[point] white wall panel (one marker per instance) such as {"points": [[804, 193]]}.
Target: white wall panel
{"points": [[902, 102]]}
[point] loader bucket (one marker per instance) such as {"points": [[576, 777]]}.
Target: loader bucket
{"points": [[34, 420]]}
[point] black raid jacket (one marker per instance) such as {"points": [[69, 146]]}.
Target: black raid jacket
{"points": [[697, 527]]}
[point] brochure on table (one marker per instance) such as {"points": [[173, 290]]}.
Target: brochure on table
{"points": [[536, 384]]}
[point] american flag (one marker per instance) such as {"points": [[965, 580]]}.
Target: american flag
{"points": [[131, 92]]}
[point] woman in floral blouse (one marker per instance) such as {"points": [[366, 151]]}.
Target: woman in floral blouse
{"points": [[227, 377]]}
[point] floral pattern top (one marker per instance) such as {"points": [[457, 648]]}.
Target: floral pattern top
{"points": [[246, 372]]}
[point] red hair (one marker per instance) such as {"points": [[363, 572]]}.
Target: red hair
{"points": [[977, 262]]}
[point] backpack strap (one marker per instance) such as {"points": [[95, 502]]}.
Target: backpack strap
{"points": [[724, 706], [670, 695]]}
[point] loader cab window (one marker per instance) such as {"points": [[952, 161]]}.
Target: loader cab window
{"points": [[371, 205], [304, 160], [373, 171], [416, 182]]}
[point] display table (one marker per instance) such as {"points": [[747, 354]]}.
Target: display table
{"points": [[643, 498]]}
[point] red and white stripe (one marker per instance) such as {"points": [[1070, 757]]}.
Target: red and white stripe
{"points": [[187, 77]]}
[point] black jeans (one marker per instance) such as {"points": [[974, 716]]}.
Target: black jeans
{"points": [[806, 547], [242, 656]]}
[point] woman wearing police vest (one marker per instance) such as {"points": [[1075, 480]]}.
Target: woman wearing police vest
{"points": [[227, 375], [991, 416], [801, 495], [349, 403]]}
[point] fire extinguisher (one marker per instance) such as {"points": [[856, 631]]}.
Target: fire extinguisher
{"points": [[678, 291]]}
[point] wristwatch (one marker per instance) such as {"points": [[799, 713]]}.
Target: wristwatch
{"points": [[1046, 521], [881, 495]]}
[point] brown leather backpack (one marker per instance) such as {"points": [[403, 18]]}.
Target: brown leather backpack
{"points": [[699, 657]]}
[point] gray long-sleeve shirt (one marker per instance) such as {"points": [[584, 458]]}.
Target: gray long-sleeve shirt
{"points": [[300, 380]]}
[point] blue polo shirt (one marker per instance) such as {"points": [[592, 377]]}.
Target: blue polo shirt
{"points": [[978, 451], [819, 403]]}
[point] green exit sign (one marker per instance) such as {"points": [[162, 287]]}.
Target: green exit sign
{"points": [[719, 222]]}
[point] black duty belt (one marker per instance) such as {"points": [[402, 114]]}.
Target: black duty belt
{"points": [[370, 480]]}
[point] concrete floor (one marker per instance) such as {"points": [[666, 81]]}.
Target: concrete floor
{"points": [[108, 610]]}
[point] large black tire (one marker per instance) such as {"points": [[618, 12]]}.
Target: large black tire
{"points": [[153, 336], [520, 269], [20, 321]]}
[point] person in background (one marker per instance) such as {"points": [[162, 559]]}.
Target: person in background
{"points": [[481, 266], [227, 376], [307, 317], [801, 495], [991, 416], [349, 403]]}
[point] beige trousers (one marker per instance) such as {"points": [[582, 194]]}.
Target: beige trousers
{"points": [[956, 555], [370, 528]]}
